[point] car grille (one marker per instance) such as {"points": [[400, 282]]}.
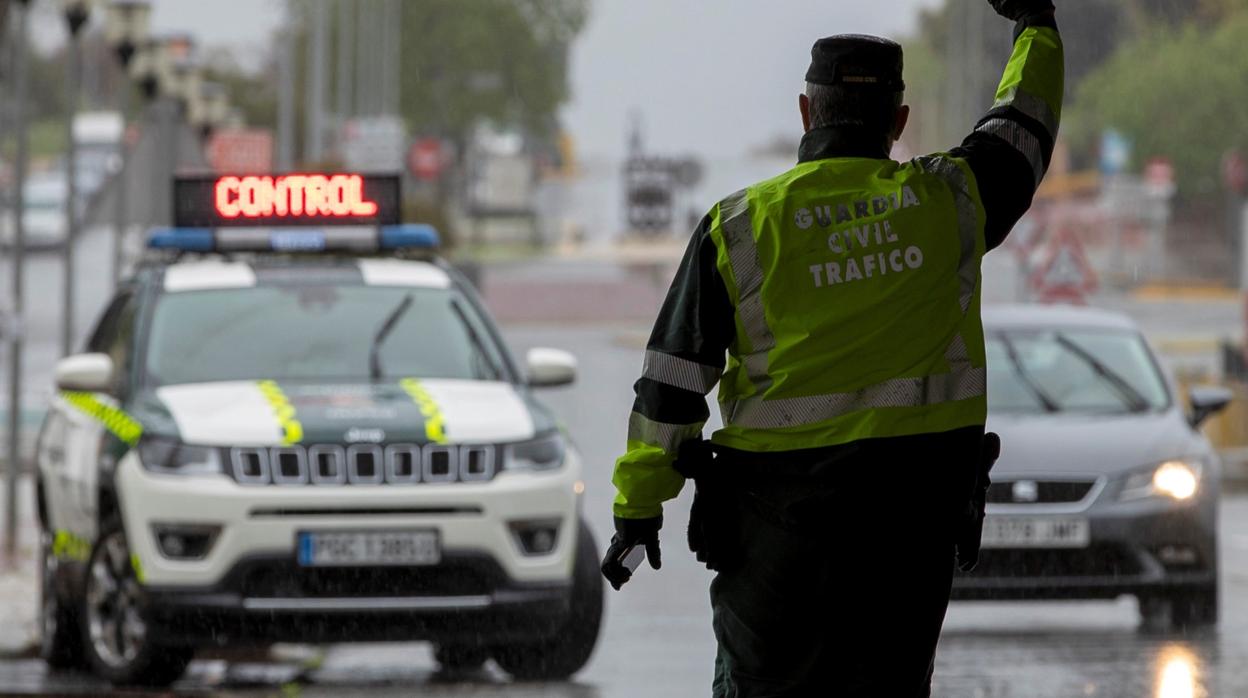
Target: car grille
{"points": [[1093, 561], [363, 464], [286, 579], [1039, 491]]}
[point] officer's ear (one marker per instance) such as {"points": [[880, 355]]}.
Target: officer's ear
{"points": [[803, 104], [903, 118]]}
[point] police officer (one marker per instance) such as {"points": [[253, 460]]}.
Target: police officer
{"points": [[846, 296]]}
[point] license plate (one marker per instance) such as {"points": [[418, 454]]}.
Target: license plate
{"points": [[357, 548], [1035, 532]]}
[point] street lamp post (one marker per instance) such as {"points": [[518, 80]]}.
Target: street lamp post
{"points": [[127, 31], [77, 12], [19, 248]]}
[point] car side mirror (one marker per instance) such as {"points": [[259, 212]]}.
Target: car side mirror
{"points": [[549, 368], [1207, 400], [89, 373]]}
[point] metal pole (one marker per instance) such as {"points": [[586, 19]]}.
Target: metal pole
{"points": [[315, 97], [286, 101], [120, 190], [73, 79], [19, 244], [345, 57]]}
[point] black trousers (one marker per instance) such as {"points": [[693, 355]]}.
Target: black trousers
{"points": [[847, 565]]}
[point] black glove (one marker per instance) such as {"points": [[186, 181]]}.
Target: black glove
{"points": [[1018, 10], [630, 533], [973, 525]]}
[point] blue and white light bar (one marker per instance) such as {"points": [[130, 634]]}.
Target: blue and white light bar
{"points": [[407, 236]]}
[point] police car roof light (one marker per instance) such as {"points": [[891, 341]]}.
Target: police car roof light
{"points": [[182, 239], [409, 236]]}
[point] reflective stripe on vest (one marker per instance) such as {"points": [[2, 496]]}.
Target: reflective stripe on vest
{"points": [[1031, 106], [963, 382], [668, 437], [680, 373], [1020, 139], [968, 222], [738, 229]]}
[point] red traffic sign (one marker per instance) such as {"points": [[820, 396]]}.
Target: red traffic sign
{"points": [[426, 159], [1159, 178], [1235, 172], [1065, 276], [241, 150]]}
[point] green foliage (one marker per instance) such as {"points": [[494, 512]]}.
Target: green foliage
{"points": [[503, 61], [1178, 94]]}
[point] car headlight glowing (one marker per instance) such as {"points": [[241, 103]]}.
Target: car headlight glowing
{"points": [[543, 453], [1177, 480], [173, 457]]}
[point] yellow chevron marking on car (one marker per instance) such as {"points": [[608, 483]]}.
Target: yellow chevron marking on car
{"points": [[68, 546], [137, 565], [434, 423], [114, 419], [292, 429]]}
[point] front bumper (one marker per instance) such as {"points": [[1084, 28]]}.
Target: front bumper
{"points": [[471, 519], [270, 599], [1125, 556]]}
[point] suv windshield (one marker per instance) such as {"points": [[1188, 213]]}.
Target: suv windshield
{"points": [[318, 332], [1072, 371]]}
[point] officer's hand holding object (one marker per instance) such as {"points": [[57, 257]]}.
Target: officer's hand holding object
{"points": [[1018, 10], [629, 534]]}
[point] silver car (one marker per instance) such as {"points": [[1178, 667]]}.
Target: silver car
{"points": [[1105, 484]]}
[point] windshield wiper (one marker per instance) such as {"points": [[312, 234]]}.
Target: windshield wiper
{"points": [[1049, 404], [477, 344], [1130, 396], [374, 352]]}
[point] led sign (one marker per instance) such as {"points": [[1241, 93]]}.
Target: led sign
{"points": [[283, 200]]}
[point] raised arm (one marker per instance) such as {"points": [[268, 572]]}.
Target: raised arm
{"points": [[1011, 148]]}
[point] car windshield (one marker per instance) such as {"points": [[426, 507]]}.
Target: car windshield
{"points": [[1072, 371], [318, 332]]}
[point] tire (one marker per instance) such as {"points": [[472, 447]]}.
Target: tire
{"points": [[458, 659], [569, 649], [114, 624], [60, 643], [1195, 608], [1185, 608]]}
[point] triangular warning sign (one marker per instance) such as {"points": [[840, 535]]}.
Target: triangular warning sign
{"points": [[1066, 275]]}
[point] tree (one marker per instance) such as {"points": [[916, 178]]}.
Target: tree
{"points": [[1177, 94]]}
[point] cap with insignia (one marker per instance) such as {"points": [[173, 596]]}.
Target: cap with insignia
{"points": [[857, 60]]}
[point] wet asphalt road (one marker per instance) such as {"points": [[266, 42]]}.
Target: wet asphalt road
{"points": [[657, 640]]}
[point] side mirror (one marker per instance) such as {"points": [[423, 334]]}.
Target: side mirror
{"points": [[1207, 400], [548, 368], [90, 373]]}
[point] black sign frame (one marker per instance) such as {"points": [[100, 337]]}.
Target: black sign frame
{"points": [[195, 206]]}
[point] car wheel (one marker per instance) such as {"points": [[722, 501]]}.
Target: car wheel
{"points": [[1184, 608], [61, 642], [459, 659], [571, 646], [1195, 608], [114, 624]]}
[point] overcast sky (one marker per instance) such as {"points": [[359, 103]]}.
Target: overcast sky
{"points": [[707, 76]]}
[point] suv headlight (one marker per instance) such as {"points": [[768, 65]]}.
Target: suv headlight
{"points": [[174, 457], [546, 452], [1178, 480]]}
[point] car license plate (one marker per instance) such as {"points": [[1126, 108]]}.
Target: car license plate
{"points": [[357, 548], [1035, 532]]}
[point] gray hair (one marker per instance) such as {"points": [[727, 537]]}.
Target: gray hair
{"points": [[835, 105]]}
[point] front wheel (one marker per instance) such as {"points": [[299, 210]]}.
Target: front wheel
{"points": [[564, 653], [114, 626], [61, 642]]}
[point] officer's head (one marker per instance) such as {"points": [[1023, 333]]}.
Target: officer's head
{"points": [[855, 82]]}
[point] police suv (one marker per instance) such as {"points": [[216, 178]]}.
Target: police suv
{"points": [[295, 423]]}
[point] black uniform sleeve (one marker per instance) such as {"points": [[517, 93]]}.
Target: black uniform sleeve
{"points": [[1012, 146], [684, 359]]}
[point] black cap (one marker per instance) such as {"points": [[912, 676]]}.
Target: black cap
{"points": [[857, 60]]}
